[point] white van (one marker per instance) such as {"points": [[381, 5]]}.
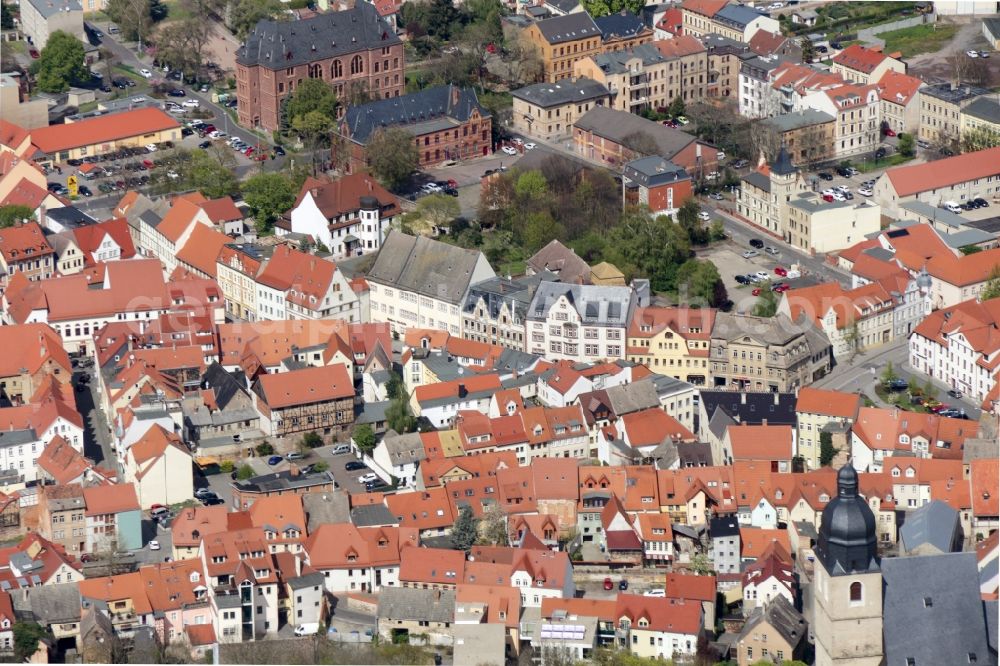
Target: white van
{"points": [[307, 629], [341, 448], [952, 207]]}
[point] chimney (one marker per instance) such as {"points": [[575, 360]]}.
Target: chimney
{"points": [[293, 470]]}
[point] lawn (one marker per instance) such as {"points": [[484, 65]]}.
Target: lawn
{"points": [[918, 39], [896, 159]]}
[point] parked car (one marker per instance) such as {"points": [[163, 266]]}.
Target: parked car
{"points": [[755, 292], [763, 275], [888, 131], [623, 585], [278, 150], [780, 288], [145, 73], [368, 476], [154, 545], [750, 254], [955, 393], [823, 175], [972, 53], [757, 243], [84, 191], [608, 584], [509, 150], [828, 198], [897, 385], [192, 103], [307, 629], [212, 501], [742, 279], [981, 203], [865, 191], [704, 216], [294, 455], [773, 251], [274, 460], [202, 492], [715, 196], [177, 92], [354, 466], [780, 271], [151, 147]]}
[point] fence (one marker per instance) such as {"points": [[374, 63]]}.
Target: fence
{"points": [[869, 35]]}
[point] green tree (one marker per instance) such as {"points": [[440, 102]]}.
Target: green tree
{"points": [[652, 247], [808, 50], [598, 8], [320, 466], [14, 213], [245, 472], [539, 229], [26, 638], [399, 417], [701, 564], [6, 17], [438, 210], [312, 95], [913, 386], [676, 107], [827, 451], [61, 63], [905, 144], [394, 387], [312, 439], [698, 278], [531, 185], [979, 138], [243, 15], [364, 438], [465, 531], [264, 449], [767, 302], [134, 17], [889, 374], [392, 156], [990, 290], [493, 527], [268, 195], [210, 175]]}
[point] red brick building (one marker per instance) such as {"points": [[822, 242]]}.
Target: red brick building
{"points": [[657, 183], [355, 51], [447, 123]]}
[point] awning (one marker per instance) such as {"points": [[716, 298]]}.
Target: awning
{"points": [[206, 461]]}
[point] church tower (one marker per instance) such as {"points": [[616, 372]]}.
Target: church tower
{"points": [[786, 182], [847, 586]]}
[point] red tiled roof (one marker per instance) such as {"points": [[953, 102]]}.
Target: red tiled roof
{"points": [[89, 238], [755, 541], [985, 484], [102, 129], [102, 500], [765, 43], [202, 249], [305, 386], [343, 195], [898, 88], [707, 8], [859, 58], [26, 193], [680, 46], [200, 634], [23, 241], [675, 616], [827, 403], [908, 180], [760, 442], [967, 269], [689, 586]]}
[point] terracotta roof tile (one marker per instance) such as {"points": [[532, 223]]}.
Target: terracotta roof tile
{"points": [[908, 180], [827, 403], [859, 58], [102, 500], [101, 129], [202, 249], [305, 386]]}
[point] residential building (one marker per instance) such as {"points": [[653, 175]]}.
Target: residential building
{"points": [[652, 627], [548, 111], [103, 134], [403, 611], [238, 265], [160, 467], [765, 192], [817, 226], [775, 630], [561, 261], [292, 481], [672, 341], [766, 354], [447, 124], [657, 184], [420, 282], [311, 399], [724, 58], [40, 18], [959, 346], [687, 68], [941, 107], [61, 517], [857, 129], [980, 123], [900, 102], [807, 135], [33, 354], [356, 51], [957, 179], [24, 249], [579, 322], [396, 458], [602, 135], [495, 310], [815, 409], [852, 319], [991, 31], [755, 84], [864, 65], [242, 578], [740, 23], [193, 522], [769, 578], [622, 30], [296, 285], [113, 518], [18, 106], [562, 40], [691, 587], [637, 79], [725, 553], [766, 44], [356, 559], [698, 14]]}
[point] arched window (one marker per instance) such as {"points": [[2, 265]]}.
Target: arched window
{"points": [[357, 65], [337, 70], [857, 590], [315, 71]]}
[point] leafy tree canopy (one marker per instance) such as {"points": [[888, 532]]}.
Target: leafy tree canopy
{"points": [[364, 438], [598, 8], [14, 213], [392, 156], [268, 195], [61, 63]]}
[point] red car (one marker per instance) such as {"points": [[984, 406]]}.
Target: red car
{"points": [[452, 183], [148, 164], [780, 288], [778, 270], [889, 132], [938, 408], [157, 506], [33, 52], [828, 198], [608, 585], [756, 292]]}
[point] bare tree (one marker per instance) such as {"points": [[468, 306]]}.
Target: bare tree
{"points": [[641, 143]]}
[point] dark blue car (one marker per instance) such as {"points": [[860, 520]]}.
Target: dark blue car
{"points": [[274, 460]]}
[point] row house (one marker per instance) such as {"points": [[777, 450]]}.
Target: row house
{"points": [[754, 83], [83, 247], [420, 282], [900, 101], [26, 430], [815, 409], [852, 319], [24, 249], [776, 354], [160, 467], [856, 107], [724, 58], [658, 628], [864, 65], [318, 399], [237, 267], [878, 433], [296, 285], [941, 107], [688, 73], [548, 111], [113, 518], [637, 79], [76, 309], [579, 322], [34, 355], [441, 403], [495, 311], [818, 226], [350, 216], [673, 341], [122, 600], [357, 559], [960, 346]]}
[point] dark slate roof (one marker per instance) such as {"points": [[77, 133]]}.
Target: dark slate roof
{"points": [[222, 383], [410, 603], [617, 125], [654, 170], [281, 481], [935, 524], [932, 610], [724, 526], [752, 408], [499, 291], [737, 16], [425, 266], [984, 108], [948, 92], [781, 615], [564, 6], [597, 305], [617, 62], [372, 515], [783, 164], [281, 44], [419, 113], [568, 28], [565, 92], [70, 216], [758, 180], [846, 543], [624, 24], [990, 609]]}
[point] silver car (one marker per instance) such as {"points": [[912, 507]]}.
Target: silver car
{"points": [[749, 254]]}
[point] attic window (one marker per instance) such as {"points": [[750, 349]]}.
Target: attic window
{"points": [[928, 602]]}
